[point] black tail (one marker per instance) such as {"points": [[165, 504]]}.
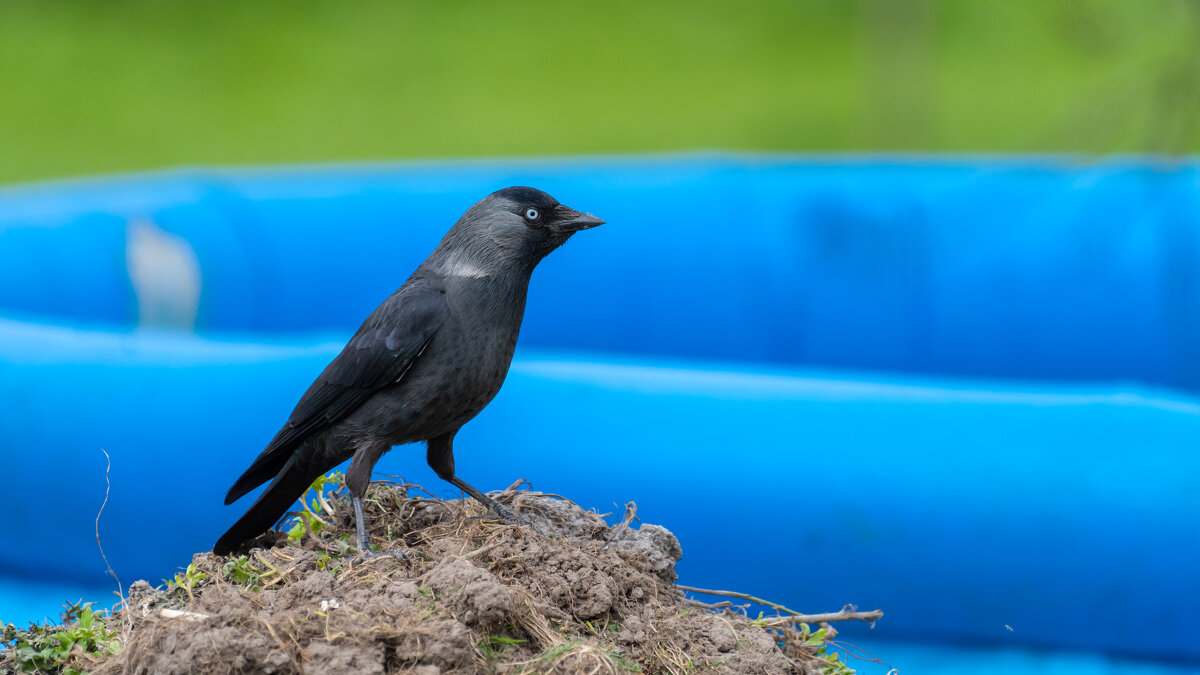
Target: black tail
{"points": [[291, 482], [264, 467]]}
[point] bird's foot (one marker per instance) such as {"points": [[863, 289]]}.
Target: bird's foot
{"points": [[495, 508], [502, 512], [396, 553]]}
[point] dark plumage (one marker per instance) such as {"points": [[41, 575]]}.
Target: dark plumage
{"points": [[424, 362]]}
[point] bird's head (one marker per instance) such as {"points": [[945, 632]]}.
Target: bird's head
{"points": [[513, 227]]}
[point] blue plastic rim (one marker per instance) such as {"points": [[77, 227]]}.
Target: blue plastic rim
{"points": [[964, 391]]}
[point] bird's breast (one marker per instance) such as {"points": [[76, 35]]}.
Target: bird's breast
{"points": [[462, 368]]}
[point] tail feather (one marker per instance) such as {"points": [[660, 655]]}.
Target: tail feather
{"points": [[264, 467], [289, 485]]}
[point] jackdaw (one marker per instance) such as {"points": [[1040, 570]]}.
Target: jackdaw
{"points": [[424, 362]]}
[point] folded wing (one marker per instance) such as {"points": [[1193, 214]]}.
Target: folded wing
{"points": [[385, 347]]}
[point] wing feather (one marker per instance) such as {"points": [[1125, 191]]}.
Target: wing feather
{"points": [[385, 347]]}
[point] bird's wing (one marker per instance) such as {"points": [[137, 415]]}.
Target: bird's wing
{"points": [[379, 354]]}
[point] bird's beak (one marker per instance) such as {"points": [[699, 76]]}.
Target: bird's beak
{"points": [[570, 220]]}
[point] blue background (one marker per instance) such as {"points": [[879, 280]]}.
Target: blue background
{"points": [[963, 391]]}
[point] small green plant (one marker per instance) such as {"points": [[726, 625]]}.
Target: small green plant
{"points": [[820, 640], [343, 545], [54, 648], [304, 523], [241, 572], [495, 647], [835, 667], [427, 600], [599, 628], [553, 655], [315, 504], [187, 580], [329, 562]]}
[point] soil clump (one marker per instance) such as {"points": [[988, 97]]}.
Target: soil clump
{"points": [[473, 595]]}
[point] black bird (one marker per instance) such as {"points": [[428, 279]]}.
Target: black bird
{"points": [[424, 362]]}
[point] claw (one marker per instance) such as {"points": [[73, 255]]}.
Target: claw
{"points": [[504, 514], [501, 512], [396, 553], [494, 507]]}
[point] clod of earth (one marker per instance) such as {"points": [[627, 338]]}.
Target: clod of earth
{"points": [[474, 596]]}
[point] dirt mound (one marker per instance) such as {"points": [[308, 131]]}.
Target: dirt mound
{"points": [[474, 595]]}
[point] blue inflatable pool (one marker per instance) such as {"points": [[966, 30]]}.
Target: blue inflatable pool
{"points": [[964, 391]]}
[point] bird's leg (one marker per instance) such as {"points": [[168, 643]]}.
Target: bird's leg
{"points": [[364, 544], [492, 505], [358, 478], [439, 454]]}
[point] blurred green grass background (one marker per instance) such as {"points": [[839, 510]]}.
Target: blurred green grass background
{"points": [[91, 86]]}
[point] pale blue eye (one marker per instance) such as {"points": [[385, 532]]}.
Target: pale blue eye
{"points": [[532, 214]]}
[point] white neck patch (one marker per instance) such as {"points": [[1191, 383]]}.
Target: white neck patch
{"points": [[458, 265]]}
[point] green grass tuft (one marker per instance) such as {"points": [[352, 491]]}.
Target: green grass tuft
{"points": [[59, 648]]}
